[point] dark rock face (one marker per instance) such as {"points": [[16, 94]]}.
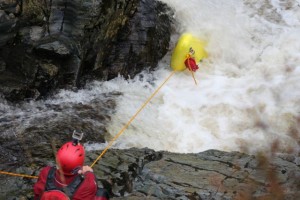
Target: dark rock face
{"points": [[132, 42], [45, 45], [146, 174]]}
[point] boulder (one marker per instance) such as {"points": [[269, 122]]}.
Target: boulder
{"points": [[82, 40], [146, 174]]}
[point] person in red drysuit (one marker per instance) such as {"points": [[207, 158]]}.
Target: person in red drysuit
{"points": [[190, 62], [71, 180]]}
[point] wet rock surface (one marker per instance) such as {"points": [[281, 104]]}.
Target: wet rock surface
{"points": [[34, 132], [146, 174], [49, 45]]}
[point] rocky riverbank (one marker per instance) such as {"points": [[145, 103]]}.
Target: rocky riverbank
{"points": [[146, 174]]}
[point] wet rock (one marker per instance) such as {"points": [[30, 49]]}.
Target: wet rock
{"points": [[85, 40], [3, 16], [207, 175], [2, 66], [11, 6], [23, 93], [7, 28], [55, 48], [135, 40]]}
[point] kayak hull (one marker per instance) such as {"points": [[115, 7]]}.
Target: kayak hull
{"points": [[181, 50]]}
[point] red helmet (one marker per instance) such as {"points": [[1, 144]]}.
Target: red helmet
{"points": [[70, 157]]}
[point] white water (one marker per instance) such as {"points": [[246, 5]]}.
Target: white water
{"points": [[247, 97], [248, 92]]}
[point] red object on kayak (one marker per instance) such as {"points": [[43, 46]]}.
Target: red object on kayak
{"points": [[190, 63]]}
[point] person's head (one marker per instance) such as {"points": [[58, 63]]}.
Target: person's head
{"points": [[70, 158]]}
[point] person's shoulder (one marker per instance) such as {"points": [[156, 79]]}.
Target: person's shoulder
{"points": [[89, 179], [89, 176], [45, 170], [87, 188]]}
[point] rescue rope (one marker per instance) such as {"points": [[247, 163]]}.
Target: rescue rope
{"points": [[116, 137], [19, 175], [194, 77], [131, 119]]}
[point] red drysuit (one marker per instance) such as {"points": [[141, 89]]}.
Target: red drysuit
{"points": [[86, 190]]}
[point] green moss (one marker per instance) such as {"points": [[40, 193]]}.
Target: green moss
{"points": [[34, 10]]}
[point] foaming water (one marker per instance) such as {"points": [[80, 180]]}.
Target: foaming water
{"points": [[248, 92], [247, 97]]}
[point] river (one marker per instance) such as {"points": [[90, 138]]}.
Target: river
{"points": [[247, 97]]}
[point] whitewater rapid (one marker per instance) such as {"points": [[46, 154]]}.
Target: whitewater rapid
{"points": [[247, 97], [248, 93]]}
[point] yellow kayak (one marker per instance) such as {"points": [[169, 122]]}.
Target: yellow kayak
{"points": [[182, 48]]}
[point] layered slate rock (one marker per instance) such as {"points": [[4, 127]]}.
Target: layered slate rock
{"points": [[47, 45], [213, 174]]}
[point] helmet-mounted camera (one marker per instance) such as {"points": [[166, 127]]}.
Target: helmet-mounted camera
{"points": [[76, 137]]}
